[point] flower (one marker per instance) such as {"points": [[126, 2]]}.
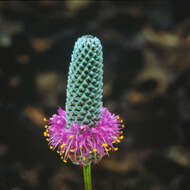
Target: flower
{"points": [[86, 131], [84, 144]]}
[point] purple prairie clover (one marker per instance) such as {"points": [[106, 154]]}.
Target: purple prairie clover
{"points": [[85, 131]]}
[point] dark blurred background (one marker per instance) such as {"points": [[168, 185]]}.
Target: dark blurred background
{"points": [[146, 80]]}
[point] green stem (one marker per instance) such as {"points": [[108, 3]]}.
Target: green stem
{"points": [[87, 177]]}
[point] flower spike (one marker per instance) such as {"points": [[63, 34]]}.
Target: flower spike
{"points": [[85, 131]]}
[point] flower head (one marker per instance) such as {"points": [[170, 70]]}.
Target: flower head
{"points": [[86, 131]]}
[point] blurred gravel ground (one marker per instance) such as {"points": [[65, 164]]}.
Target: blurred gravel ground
{"points": [[146, 80]]}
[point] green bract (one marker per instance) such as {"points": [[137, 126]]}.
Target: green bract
{"points": [[85, 82]]}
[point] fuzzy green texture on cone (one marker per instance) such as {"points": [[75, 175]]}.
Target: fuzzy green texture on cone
{"points": [[85, 83]]}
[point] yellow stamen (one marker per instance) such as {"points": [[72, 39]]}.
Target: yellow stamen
{"points": [[51, 147], [44, 119], [80, 146], [47, 130], [61, 147], [121, 132], [65, 161], [72, 150], [109, 148], [113, 142], [118, 141], [90, 152], [83, 158], [57, 151], [61, 157], [82, 127], [46, 126], [121, 121], [106, 149], [123, 126], [104, 145], [116, 148], [45, 134], [47, 140], [71, 137], [117, 117], [121, 137], [62, 153], [94, 150]]}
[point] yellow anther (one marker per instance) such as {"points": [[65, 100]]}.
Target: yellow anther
{"points": [[121, 137], [61, 157], [62, 153], [116, 148], [61, 147], [121, 132], [47, 130], [104, 145], [106, 149], [82, 127], [57, 151], [51, 147], [65, 161], [118, 141], [109, 148], [121, 121], [71, 137], [123, 126], [117, 117], [83, 158], [72, 150], [90, 152], [115, 138], [94, 150], [44, 119], [47, 140], [46, 126], [113, 142], [80, 146], [46, 134]]}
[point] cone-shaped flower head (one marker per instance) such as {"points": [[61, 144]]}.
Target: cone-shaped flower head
{"points": [[85, 85], [86, 131]]}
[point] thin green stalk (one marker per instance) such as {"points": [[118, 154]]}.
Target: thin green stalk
{"points": [[87, 177]]}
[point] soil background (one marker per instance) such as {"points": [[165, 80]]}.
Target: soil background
{"points": [[146, 49]]}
